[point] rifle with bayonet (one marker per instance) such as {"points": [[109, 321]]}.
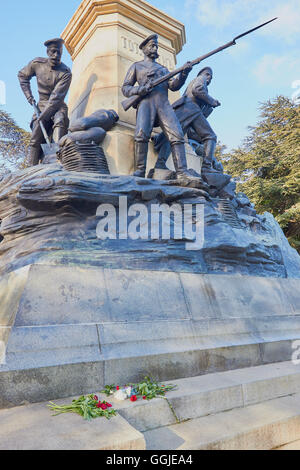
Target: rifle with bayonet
{"points": [[134, 100]]}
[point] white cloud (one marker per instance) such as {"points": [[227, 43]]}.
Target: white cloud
{"points": [[243, 48], [221, 14], [215, 13], [287, 27], [273, 69]]}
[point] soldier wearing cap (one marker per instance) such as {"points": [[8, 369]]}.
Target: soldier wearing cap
{"points": [[53, 79], [154, 109], [192, 110]]}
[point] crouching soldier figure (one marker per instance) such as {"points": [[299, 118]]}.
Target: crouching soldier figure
{"points": [[192, 111], [53, 79], [194, 108]]}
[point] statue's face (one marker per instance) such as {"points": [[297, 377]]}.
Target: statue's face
{"points": [[151, 48], [208, 76], [54, 54]]}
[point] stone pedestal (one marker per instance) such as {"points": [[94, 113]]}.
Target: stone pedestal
{"points": [[103, 39], [78, 312], [70, 330]]}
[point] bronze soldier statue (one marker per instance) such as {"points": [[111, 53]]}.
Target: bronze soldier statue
{"points": [[154, 108], [54, 80], [192, 110], [187, 106]]}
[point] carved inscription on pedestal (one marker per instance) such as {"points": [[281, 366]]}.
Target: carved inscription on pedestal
{"points": [[132, 47]]}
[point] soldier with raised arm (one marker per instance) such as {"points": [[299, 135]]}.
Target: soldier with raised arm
{"points": [[154, 108], [53, 80]]}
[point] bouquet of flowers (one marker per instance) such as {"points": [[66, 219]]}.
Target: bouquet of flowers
{"points": [[88, 407], [147, 389]]}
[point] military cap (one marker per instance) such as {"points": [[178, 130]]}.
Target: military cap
{"points": [[152, 36], [56, 42], [205, 68]]}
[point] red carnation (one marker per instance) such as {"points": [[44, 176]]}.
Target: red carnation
{"points": [[108, 405], [133, 398], [95, 397], [117, 387], [144, 398], [103, 406], [98, 405]]}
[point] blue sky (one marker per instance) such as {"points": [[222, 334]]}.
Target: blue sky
{"points": [[262, 65]]}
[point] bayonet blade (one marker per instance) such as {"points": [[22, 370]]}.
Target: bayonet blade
{"points": [[254, 29]]}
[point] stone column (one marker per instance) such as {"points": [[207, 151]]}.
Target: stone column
{"points": [[103, 39]]}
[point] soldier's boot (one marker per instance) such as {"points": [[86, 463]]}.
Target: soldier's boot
{"points": [[180, 164], [140, 159], [209, 153], [35, 155]]}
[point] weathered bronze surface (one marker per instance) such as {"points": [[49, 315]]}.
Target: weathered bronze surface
{"points": [[192, 110], [80, 149], [53, 80], [154, 107]]}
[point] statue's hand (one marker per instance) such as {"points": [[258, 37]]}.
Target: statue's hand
{"points": [[45, 115], [216, 104], [145, 89], [187, 68], [31, 100]]}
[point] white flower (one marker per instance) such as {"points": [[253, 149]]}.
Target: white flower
{"points": [[120, 395], [128, 390]]}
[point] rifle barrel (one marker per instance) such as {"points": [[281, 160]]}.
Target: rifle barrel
{"points": [[135, 99], [205, 56], [193, 63]]}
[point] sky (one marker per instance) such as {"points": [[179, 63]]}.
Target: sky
{"points": [[260, 67]]}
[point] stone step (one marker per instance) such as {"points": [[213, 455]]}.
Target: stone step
{"points": [[265, 426], [210, 402], [213, 393], [32, 427]]}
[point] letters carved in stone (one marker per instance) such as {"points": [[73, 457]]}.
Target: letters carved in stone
{"points": [[133, 47]]}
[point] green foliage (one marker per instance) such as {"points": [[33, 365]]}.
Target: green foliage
{"points": [[89, 406], [219, 152], [108, 390], [267, 165], [149, 388], [14, 143], [290, 222], [86, 406]]}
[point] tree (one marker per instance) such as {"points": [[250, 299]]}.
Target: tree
{"points": [[267, 165], [14, 143]]}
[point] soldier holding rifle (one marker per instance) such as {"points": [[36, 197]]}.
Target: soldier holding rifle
{"points": [[154, 108], [150, 98]]}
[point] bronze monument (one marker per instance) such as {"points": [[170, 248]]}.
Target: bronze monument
{"points": [[54, 80]]}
